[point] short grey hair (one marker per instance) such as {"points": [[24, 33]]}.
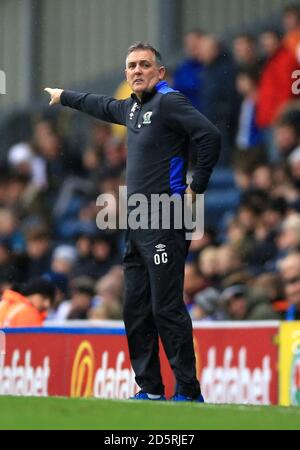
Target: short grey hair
{"points": [[145, 46]]}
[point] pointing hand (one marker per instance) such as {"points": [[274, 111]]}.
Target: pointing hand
{"points": [[55, 95]]}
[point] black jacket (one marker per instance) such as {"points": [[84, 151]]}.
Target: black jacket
{"points": [[161, 129]]}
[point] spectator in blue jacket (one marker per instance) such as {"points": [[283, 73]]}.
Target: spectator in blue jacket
{"points": [[187, 76], [219, 100]]}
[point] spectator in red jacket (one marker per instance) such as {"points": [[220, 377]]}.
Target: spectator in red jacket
{"points": [[275, 86], [291, 24]]}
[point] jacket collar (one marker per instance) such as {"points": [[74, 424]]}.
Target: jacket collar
{"points": [[147, 95], [14, 297], [11, 296]]}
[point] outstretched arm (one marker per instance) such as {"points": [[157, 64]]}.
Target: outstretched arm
{"points": [[99, 106]]}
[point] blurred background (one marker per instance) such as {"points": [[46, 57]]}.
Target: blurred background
{"points": [[234, 61]]}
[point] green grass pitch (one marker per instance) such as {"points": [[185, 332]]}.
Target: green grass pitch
{"points": [[70, 414]]}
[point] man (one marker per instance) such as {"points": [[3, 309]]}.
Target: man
{"points": [[187, 76], [29, 307], [275, 85], [244, 51], [291, 25], [290, 274], [219, 100], [9, 298], [161, 124]]}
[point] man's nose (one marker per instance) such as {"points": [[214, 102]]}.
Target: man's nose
{"points": [[137, 69]]}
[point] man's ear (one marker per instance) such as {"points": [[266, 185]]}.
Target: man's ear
{"points": [[162, 72]]}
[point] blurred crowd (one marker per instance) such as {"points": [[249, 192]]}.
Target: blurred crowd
{"points": [[246, 269]]}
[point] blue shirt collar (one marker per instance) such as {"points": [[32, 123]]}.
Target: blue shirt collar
{"points": [[161, 84], [148, 95]]}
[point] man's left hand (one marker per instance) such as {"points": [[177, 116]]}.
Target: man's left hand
{"points": [[191, 193]]}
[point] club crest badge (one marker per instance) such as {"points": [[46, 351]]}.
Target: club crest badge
{"points": [[147, 118]]}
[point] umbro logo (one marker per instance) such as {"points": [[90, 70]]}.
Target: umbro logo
{"points": [[160, 247]]}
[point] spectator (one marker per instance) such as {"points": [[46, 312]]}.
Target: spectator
{"points": [[291, 24], [208, 263], [239, 238], [294, 164], [109, 288], [230, 264], [61, 283], [264, 253], [275, 86], [10, 269], [248, 134], [262, 178], [248, 216], [100, 135], [56, 154], [114, 155], [243, 168], [199, 242], [187, 76], [63, 259], [29, 307], [206, 306], [193, 282], [10, 230], [240, 305], [271, 287], [219, 98], [77, 308], [287, 132], [104, 255], [91, 161], [84, 255], [109, 291], [290, 273], [289, 237], [81, 299], [235, 302], [23, 161], [245, 51], [111, 311], [38, 252]]}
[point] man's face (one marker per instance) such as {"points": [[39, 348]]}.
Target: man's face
{"points": [[192, 41], [40, 302], [291, 21], [142, 71], [291, 280], [285, 138], [243, 50], [237, 308], [269, 43]]}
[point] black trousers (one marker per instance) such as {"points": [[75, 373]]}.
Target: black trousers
{"points": [[154, 263]]}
